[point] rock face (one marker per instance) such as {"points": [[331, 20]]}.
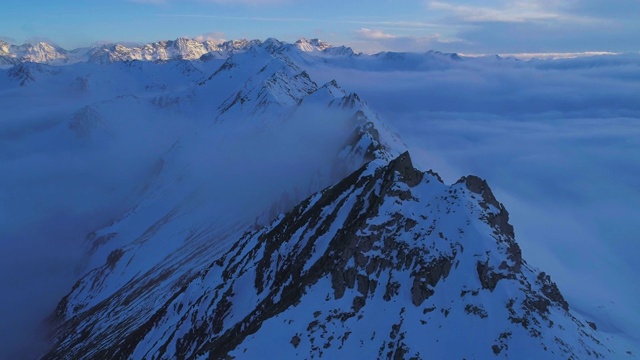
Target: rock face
{"points": [[389, 262]]}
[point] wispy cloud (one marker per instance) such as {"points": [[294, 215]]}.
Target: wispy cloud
{"points": [[557, 55], [515, 12], [376, 40], [226, 2], [374, 34], [217, 37], [388, 24], [242, 18], [393, 24], [509, 12], [249, 2]]}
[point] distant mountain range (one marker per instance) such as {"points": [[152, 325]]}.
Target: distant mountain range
{"points": [[181, 48]]}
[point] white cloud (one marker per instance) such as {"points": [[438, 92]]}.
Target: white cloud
{"points": [[376, 40], [558, 55], [241, 18], [374, 34], [514, 12], [229, 2], [250, 2], [156, 2], [416, 25], [216, 37], [509, 12]]}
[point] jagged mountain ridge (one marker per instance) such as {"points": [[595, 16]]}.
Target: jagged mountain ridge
{"points": [[151, 252], [373, 265], [179, 49], [145, 258], [302, 51]]}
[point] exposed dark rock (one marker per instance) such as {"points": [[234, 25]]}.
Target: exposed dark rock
{"points": [[488, 278], [476, 310], [295, 341], [363, 285], [97, 241], [358, 303], [419, 291], [501, 222], [113, 257], [404, 166], [480, 186], [392, 290], [436, 175], [427, 277], [551, 291]]}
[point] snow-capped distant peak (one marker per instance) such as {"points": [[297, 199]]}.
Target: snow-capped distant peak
{"points": [[4, 48], [312, 45], [334, 89], [40, 52], [166, 50], [272, 44], [453, 56]]}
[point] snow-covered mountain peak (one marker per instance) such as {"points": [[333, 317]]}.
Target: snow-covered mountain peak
{"points": [[339, 51], [319, 47], [271, 44], [388, 262], [240, 44], [28, 72], [312, 45], [40, 52], [276, 86], [4, 48], [330, 91], [435, 53]]}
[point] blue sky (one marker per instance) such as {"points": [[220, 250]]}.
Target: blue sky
{"points": [[490, 26]]}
